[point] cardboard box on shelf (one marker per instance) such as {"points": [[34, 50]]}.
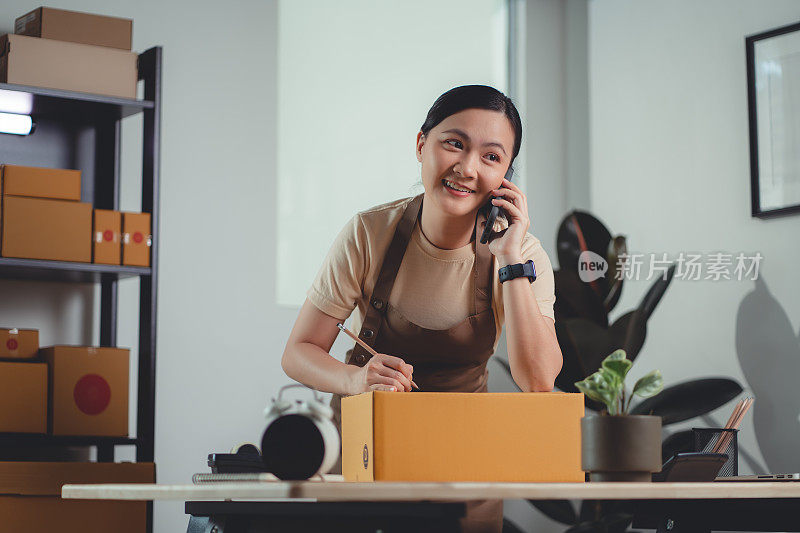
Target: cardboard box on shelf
{"points": [[44, 514], [27, 478], [440, 437], [55, 183], [136, 239], [23, 397], [88, 390], [68, 66], [37, 228], [16, 343], [106, 237], [30, 497], [85, 28]]}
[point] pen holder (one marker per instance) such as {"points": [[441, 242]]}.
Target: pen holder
{"points": [[706, 439]]}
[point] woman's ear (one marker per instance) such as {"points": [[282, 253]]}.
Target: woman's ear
{"points": [[420, 144]]}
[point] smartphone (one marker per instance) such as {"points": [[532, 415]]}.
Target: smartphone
{"points": [[494, 212], [691, 466]]}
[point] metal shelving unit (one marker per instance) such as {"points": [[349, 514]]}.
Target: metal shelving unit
{"points": [[83, 131]]}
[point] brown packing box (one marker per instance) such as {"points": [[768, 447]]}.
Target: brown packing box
{"points": [[23, 397], [85, 28], [36, 228], [68, 66], [45, 514], [18, 343], [31, 502], [136, 239], [88, 390], [55, 183], [22, 478], [443, 436], [106, 236]]}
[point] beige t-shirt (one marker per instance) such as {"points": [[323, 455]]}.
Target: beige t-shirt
{"points": [[434, 287]]}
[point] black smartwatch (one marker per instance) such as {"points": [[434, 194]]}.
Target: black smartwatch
{"points": [[517, 271]]}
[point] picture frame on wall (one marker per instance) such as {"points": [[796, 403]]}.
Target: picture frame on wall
{"points": [[773, 94]]}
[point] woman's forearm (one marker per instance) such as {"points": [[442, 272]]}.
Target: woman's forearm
{"points": [[533, 351], [312, 366]]}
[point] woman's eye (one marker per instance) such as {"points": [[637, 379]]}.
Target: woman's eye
{"points": [[455, 143], [493, 157]]}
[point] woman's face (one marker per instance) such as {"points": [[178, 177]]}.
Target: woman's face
{"points": [[464, 158]]}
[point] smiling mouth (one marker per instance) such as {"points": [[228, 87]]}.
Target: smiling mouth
{"points": [[451, 185]]}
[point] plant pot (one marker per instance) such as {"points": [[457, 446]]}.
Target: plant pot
{"points": [[621, 448]]}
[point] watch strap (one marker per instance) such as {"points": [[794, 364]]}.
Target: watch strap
{"points": [[518, 270]]}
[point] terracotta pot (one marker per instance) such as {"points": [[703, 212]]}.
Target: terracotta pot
{"points": [[621, 448]]}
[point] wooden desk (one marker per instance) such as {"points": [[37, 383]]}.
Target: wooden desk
{"points": [[667, 506]]}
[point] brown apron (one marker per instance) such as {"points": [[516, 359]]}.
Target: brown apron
{"points": [[449, 360]]}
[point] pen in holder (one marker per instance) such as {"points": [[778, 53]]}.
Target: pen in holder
{"points": [[719, 440]]}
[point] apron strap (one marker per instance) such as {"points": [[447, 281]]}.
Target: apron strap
{"points": [[483, 272], [383, 286]]}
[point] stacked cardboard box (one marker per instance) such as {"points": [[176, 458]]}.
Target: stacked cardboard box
{"points": [[30, 497], [23, 382], [136, 239], [72, 51], [42, 216], [62, 390], [88, 390]]}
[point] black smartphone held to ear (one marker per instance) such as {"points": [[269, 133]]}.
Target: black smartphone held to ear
{"points": [[494, 211]]}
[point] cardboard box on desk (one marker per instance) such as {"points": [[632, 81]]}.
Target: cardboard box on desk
{"points": [[85, 28], [430, 436], [88, 390], [30, 497], [36, 182], [107, 236], [136, 239], [37, 228], [68, 66], [18, 343], [23, 397]]}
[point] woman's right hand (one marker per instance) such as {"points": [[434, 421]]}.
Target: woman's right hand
{"points": [[383, 373]]}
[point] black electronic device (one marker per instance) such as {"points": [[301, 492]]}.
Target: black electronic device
{"points": [[494, 212], [246, 459], [691, 466]]}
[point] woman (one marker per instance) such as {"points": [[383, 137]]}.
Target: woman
{"points": [[428, 294]]}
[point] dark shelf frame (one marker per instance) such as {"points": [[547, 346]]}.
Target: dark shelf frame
{"points": [[34, 269], [55, 103], [104, 114], [33, 439]]}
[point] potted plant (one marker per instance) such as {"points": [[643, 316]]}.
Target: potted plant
{"points": [[617, 446]]}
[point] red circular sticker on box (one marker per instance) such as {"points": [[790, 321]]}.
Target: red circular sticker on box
{"points": [[92, 394], [108, 235], [138, 237], [12, 344]]}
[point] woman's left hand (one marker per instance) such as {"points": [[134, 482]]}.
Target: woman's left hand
{"points": [[508, 247]]}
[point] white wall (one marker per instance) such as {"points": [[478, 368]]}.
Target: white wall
{"points": [[670, 169]]}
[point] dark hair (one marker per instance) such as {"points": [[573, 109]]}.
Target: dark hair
{"points": [[474, 97]]}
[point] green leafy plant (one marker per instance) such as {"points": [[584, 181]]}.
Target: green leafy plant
{"points": [[607, 385]]}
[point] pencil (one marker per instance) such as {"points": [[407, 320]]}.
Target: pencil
{"points": [[734, 425], [366, 346], [718, 445]]}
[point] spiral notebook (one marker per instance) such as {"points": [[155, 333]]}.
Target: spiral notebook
{"points": [[257, 477]]}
